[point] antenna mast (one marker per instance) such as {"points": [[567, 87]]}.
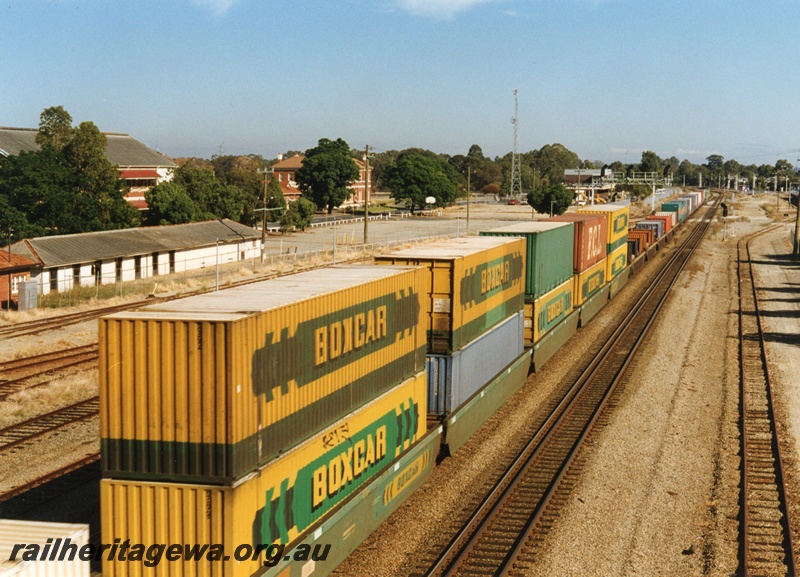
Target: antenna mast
{"points": [[516, 179]]}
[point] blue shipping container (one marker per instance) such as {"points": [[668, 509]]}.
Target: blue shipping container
{"points": [[454, 378]]}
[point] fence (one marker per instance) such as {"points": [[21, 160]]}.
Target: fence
{"points": [[210, 274]]}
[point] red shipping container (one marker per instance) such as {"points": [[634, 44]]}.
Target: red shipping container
{"points": [[590, 238], [667, 221]]}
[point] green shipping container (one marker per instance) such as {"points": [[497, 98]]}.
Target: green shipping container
{"points": [[678, 206], [550, 247]]}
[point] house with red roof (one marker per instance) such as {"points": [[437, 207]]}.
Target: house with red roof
{"points": [[284, 172]]}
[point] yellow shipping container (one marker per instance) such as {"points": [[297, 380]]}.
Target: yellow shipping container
{"points": [[589, 282], [616, 262], [473, 283], [546, 312], [211, 387], [618, 215], [272, 506]]}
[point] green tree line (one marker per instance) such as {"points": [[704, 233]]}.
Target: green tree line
{"points": [[69, 185]]}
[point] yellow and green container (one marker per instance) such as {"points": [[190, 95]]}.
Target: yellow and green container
{"points": [[616, 262], [546, 312], [271, 506], [211, 387], [618, 215], [472, 284], [589, 282]]}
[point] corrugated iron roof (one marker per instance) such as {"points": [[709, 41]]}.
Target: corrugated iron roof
{"points": [[121, 149], [70, 249]]}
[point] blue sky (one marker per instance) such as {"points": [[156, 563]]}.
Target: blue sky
{"points": [[606, 78]]}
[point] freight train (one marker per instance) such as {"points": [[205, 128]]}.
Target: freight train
{"points": [[279, 423]]}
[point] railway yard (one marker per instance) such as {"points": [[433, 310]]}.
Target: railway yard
{"points": [[655, 488]]}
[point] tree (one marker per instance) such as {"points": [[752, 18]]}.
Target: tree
{"points": [[55, 128], [557, 194], [98, 180], [715, 165], [418, 174], [212, 198], [169, 204], [299, 214], [327, 172], [275, 200], [650, 162]]}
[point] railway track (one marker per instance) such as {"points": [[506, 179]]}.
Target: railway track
{"points": [[501, 535], [30, 429], [765, 532], [42, 364]]}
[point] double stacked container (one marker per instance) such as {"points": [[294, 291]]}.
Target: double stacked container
{"points": [[548, 273], [643, 237], [617, 242], [671, 216], [657, 226], [589, 260], [691, 200], [474, 288], [244, 416], [679, 206], [667, 220]]}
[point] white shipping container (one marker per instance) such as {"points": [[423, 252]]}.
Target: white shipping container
{"points": [[13, 532]]}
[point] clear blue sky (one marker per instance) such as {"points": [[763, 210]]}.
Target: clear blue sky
{"points": [[606, 78]]}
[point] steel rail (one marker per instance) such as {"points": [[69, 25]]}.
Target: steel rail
{"points": [[454, 553], [766, 537]]}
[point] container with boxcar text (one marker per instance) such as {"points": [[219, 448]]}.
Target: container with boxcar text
{"points": [[213, 386], [471, 285], [546, 312], [274, 505], [617, 215]]}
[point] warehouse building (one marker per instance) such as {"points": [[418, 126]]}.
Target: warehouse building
{"points": [[140, 167], [106, 257]]}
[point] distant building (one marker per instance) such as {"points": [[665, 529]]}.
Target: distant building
{"points": [[284, 172], [68, 261], [140, 167], [14, 270]]}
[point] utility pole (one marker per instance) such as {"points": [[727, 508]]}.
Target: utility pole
{"points": [[366, 194], [266, 172], [469, 194], [796, 223]]}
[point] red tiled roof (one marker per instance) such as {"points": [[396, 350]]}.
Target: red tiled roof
{"points": [[138, 203]]}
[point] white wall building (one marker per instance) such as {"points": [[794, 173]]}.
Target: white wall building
{"points": [[113, 256]]}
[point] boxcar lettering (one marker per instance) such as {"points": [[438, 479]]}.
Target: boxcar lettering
{"points": [[495, 276], [342, 337], [554, 310], [347, 466]]}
